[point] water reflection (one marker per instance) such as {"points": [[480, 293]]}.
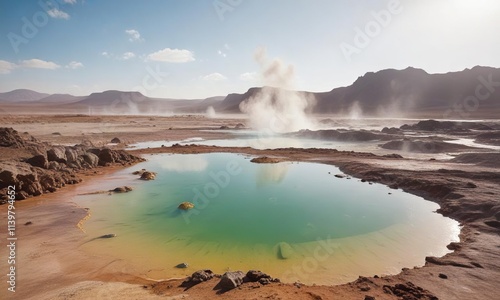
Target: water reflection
{"points": [[185, 163], [271, 173]]}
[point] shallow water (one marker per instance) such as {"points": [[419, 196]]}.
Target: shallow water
{"points": [[337, 228]]}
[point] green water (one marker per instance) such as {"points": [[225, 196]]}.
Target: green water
{"points": [[244, 210]]}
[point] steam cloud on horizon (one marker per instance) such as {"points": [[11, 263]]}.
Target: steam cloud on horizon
{"points": [[277, 107]]}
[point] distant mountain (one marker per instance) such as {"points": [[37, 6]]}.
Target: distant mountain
{"points": [[412, 90], [391, 92], [112, 97], [21, 95], [61, 99]]}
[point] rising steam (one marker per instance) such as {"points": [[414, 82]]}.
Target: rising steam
{"points": [[277, 107]]}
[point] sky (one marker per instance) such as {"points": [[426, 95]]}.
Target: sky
{"points": [[193, 49]]}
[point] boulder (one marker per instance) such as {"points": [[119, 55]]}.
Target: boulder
{"points": [[182, 266], [122, 189], [186, 206], [148, 175], [116, 141], [285, 251], [392, 130], [11, 138], [91, 159], [198, 277], [254, 276], [57, 153], [106, 157], [38, 161], [231, 280]]}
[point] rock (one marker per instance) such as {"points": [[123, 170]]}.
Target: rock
{"points": [[443, 276], [58, 154], [182, 266], [369, 297], [122, 189], [254, 276], [11, 138], [393, 155], [108, 156], [239, 126], [392, 130], [224, 127], [148, 175], [266, 160], [408, 291], [285, 251], [90, 159], [231, 280], [116, 141], [198, 277], [186, 206], [56, 133], [339, 175], [38, 161], [470, 185], [28, 223]]}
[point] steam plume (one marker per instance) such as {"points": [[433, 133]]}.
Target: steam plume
{"points": [[277, 107]]}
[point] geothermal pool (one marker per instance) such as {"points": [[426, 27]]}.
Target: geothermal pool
{"points": [[295, 221]]}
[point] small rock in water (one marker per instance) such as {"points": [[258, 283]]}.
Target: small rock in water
{"points": [[284, 250], [186, 206], [107, 236], [339, 175], [182, 266], [122, 189], [146, 175]]}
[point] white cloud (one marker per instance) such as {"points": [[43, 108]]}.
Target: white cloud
{"points": [[134, 35], [58, 14], [69, 1], [172, 56], [128, 55], [221, 53], [226, 46], [214, 77], [104, 53], [249, 76], [74, 65], [39, 64], [6, 67]]}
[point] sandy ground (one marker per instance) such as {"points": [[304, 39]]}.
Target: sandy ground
{"points": [[51, 266]]}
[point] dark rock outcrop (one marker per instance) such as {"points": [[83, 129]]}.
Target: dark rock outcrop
{"points": [[408, 291], [433, 125], [424, 146], [50, 167], [116, 140]]}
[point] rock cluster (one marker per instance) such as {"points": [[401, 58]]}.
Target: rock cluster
{"points": [[50, 167], [229, 280]]}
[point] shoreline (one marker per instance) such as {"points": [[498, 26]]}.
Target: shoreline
{"points": [[345, 162]]}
